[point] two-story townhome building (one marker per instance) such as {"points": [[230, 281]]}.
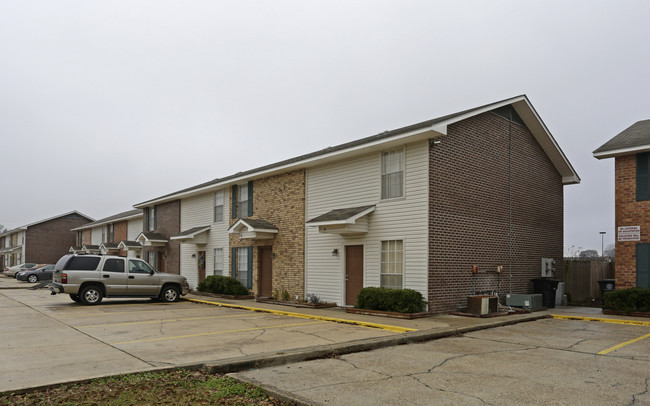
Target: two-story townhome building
{"points": [[415, 207], [631, 152], [160, 221], [249, 225], [43, 241], [113, 235]]}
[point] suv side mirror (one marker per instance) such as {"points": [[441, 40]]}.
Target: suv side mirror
{"points": [[151, 272]]}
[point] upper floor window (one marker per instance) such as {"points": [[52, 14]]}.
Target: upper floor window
{"points": [[218, 206], [80, 238], [392, 174], [150, 218], [110, 229], [643, 176], [103, 234], [242, 200]]}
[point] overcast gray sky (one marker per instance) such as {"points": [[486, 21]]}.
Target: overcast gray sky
{"points": [[104, 104]]}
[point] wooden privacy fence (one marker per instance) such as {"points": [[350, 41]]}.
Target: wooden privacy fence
{"points": [[581, 277]]}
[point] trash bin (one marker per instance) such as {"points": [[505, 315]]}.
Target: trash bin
{"points": [[547, 287], [606, 285]]}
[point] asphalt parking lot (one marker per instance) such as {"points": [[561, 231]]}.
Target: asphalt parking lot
{"points": [[543, 362]]}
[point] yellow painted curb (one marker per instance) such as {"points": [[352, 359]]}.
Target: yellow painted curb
{"points": [[603, 320], [395, 329]]}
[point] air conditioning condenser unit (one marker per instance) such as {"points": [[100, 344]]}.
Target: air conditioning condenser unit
{"points": [[521, 300]]}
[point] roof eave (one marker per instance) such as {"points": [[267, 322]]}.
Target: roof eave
{"points": [[621, 151]]}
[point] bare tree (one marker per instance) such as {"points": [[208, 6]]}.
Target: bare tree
{"points": [[2, 229]]}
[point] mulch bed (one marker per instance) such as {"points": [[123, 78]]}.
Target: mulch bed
{"points": [[217, 295], [382, 313], [619, 313], [296, 304]]}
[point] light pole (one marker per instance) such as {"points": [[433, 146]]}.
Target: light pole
{"points": [[602, 243]]}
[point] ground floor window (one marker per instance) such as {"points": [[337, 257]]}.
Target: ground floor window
{"points": [[152, 259], [392, 264], [242, 265], [218, 261]]}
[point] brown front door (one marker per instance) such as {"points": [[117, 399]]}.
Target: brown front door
{"points": [[353, 273], [201, 263], [266, 272]]}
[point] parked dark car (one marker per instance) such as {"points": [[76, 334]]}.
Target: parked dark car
{"points": [[43, 273]]}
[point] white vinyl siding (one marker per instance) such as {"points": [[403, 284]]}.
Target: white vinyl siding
{"points": [[198, 211], [134, 228], [96, 235], [357, 182]]}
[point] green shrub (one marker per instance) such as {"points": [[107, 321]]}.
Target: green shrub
{"points": [[223, 285], [628, 300], [391, 300]]}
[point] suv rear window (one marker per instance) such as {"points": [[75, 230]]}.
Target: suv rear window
{"points": [[82, 264]]}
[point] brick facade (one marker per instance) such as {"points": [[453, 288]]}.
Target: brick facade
{"points": [[86, 237], [629, 212], [48, 241], [168, 223], [469, 211], [120, 231], [280, 200]]}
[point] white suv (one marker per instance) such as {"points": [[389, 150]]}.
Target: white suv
{"points": [[90, 278]]}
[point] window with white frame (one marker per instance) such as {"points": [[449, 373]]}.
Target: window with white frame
{"points": [[392, 174], [242, 201], [103, 234], [218, 261], [218, 206], [392, 264], [242, 266]]}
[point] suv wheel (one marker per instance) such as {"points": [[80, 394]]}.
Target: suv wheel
{"points": [[75, 298], [91, 295], [32, 279], [170, 294]]}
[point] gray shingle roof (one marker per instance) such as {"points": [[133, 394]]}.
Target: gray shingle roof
{"points": [[110, 219], [633, 139], [259, 224], [191, 232], [340, 214]]}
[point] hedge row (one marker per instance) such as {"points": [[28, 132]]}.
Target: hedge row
{"points": [[391, 300], [223, 285], [628, 300]]}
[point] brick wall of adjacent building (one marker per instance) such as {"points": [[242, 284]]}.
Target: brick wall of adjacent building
{"points": [[280, 200], [86, 237], [120, 231], [469, 211], [629, 212], [168, 223], [47, 242]]}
